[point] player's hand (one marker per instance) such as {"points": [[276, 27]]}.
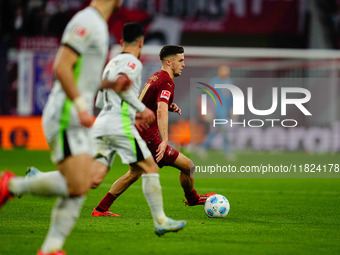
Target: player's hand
{"points": [[147, 116], [174, 108], [161, 150], [141, 125], [85, 118]]}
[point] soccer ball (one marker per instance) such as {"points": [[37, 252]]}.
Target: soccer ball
{"points": [[216, 206]]}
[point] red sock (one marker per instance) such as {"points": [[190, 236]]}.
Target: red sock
{"points": [[192, 196], [106, 202]]}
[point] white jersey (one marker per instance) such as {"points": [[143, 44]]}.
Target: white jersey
{"points": [[86, 34], [119, 110]]}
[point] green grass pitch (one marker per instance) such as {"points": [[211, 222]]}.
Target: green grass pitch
{"points": [[267, 216]]}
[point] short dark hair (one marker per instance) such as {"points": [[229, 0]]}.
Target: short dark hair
{"points": [[131, 31], [169, 50]]}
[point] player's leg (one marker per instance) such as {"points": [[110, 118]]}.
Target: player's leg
{"points": [[187, 167], [153, 194], [64, 215], [98, 172], [105, 154], [72, 149], [75, 176], [124, 182], [73, 164], [173, 158], [44, 184], [77, 172], [151, 187], [52, 184], [67, 209], [130, 151], [146, 167], [76, 169], [117, 188], [54, 179]]}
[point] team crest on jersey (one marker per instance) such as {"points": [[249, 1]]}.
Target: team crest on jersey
{"points": [[80, 31], [165, 94], [132, 65]]}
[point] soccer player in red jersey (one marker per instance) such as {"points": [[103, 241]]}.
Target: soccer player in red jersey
{"points": [[158, 95]]}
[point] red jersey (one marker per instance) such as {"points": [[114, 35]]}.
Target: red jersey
{"points": [[159, 87]]}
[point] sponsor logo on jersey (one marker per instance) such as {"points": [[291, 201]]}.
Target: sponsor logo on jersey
{"points": [[80, 31], [132, 65], [165, 94]]}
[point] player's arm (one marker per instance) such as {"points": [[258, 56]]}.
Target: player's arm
{"points": [[131, 70], [162, 121], [129, 97], [113, 72], [121, 83], [143, 113], [65, 61]]}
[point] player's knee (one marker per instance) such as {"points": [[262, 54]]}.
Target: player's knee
{"points": [[95, 184], [150, 167], [154, 168], [99, 171], [78, 191], [192, 168], [97, 180]]}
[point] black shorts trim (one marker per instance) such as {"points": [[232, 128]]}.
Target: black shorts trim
{"points": [[67, 151], [140, 156]]}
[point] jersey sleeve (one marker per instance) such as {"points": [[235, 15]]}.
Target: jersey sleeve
{"points": [[131, 99], [132, 69], [165, 92], [77, 36]]}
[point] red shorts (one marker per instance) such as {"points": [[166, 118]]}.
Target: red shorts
{"points": [[170, 154]]}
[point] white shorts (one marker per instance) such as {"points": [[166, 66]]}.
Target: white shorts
{"points": [[131, 149], [72, 141]]}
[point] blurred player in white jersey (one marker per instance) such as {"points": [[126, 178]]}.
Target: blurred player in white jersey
{"points": [[66, 121], [115, 131]]}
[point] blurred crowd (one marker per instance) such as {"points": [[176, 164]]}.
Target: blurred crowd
{"points": [[37, 17]]}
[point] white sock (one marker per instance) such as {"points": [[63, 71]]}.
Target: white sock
{"points": [[153, 193], [45, 184], [64, 215]]}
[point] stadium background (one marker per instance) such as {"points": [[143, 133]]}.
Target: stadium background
{"points": [[31, 30], [258, 39]]}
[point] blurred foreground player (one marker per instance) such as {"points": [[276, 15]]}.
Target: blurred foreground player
{"points": [[66, 121], [158, 95]]}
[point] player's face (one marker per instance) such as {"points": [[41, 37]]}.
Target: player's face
{"points": [[177, 64]]}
